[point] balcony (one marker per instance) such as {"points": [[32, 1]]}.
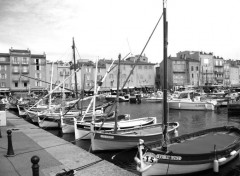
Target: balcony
{"points": [[25, 63]]}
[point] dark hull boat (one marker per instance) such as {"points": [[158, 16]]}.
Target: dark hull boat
{"points": [[128, 138], [189, 153]]}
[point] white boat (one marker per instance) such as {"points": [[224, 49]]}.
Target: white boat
{"points": [[155, 97], [189, 100], [82, 129], [112, 97]]}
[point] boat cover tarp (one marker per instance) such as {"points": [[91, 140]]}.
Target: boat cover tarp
{"points": [[204, 144]]}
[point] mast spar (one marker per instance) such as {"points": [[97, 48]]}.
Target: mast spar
{"points": [[165, 106]]}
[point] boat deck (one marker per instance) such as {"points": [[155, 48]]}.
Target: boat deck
{"points": [[204, 144]]}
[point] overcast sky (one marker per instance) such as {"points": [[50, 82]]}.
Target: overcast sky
{"points": [[105, 28]]}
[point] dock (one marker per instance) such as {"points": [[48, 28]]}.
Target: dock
{"points": [[55, 154]]}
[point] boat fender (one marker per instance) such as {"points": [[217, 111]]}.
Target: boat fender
{"points": [[222, 159], [233, 152], [215, 166], [175, 133]]}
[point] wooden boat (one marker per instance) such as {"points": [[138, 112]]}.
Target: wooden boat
{"points": [[83, 128], [127, 138], [189, 153]]}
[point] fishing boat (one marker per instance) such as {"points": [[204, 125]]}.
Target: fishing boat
{"points": [[127, 138], [189, 153]]}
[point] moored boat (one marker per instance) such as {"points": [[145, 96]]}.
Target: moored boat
{"points": [[127, 138], [190, 153]]}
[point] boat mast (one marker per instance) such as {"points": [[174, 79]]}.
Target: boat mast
{"points": [[74, 62], [50, 96], [165, 106], [117, 99]]}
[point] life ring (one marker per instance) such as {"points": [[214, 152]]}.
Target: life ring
{"points": [[10, 98]]}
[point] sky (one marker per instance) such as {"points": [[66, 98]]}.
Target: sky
{"points": [[105, 28]]}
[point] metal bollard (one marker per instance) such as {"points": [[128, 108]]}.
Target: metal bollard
{"points": [[10, 151], [35, 167]]}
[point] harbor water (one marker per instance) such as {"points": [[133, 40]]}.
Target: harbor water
{"points": [[190, 121]]}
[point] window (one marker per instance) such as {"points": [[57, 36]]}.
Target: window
{"points": [[24, 69], [88, 70], [145, 67], [16, 84], [66, 85], [197, 68], [37, 61], [38, 83], [150, 67], [192, 76], [3, 84], [25, 84], [3, 76], [38, 75], [191, 68], [3, 67], [99, 70], [111, 76], [15, 69], [37, 67], [24, 60], [15, 60]]}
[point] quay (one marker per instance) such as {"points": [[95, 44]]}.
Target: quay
{"points": [[55, 153]]}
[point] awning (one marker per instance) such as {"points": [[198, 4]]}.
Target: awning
{"points": [[4, 89]]}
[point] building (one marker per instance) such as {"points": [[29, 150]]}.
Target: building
{"points": [[20, 71], [4, 73], [59, 72]]}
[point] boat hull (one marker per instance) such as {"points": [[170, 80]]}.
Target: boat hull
{"points": [[187, 168], [82, 129], [125, 139], [191, 105]]}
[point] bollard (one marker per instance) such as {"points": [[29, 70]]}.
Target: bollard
{"points": [[10, 151], [35, 167]]}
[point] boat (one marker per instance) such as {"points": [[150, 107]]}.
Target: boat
{"points": [[190, 100], [83, 128], [155, 97], [188, 153], [127, 138], [112, 97]]}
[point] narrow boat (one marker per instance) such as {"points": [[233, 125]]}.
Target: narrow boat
{"points": [[127, 138], [189, 153], [82, 129]]}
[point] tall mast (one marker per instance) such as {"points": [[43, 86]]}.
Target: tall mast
{"points": [[118, 79], [165, 106], [74, 62]]}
